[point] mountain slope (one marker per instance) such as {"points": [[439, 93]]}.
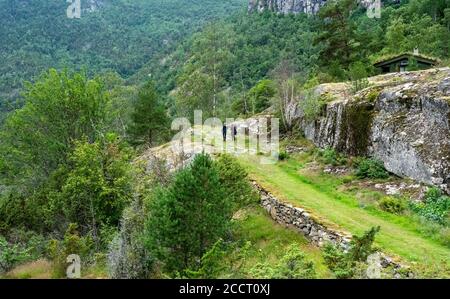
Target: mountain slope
{"points": [[118, 35]]}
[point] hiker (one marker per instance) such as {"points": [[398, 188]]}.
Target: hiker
{"points": [[224, 132]]}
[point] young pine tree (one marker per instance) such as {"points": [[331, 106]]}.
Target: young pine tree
{"points": [[188, 217], [149, 119]]}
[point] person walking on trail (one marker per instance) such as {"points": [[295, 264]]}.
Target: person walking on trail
{"points": [[224, 132], [234, 133]]}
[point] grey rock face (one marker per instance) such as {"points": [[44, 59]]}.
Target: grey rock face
{"points": [[292, 6], [412, 137], [286, 6], [406, 126]]}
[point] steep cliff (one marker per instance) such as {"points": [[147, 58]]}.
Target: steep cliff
{"points": [[402, 119], [298, 6], [286, 6]]}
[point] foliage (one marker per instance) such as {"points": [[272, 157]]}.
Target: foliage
{"points": [[370, 168], [292, 265], [257, 99], [361, 246], [337, 32], [337, 261], [234, 179], [10, 255], [127, 257], [189, 216], [98, 184], [358, 75], [392, 204], [60, 108], [283, 156], [311, 103], [329, 156], [343, 263], [150, 122], [211, 264], [435, 208], [72, 243], [120, 35]]}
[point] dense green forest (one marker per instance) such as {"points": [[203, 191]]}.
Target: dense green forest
{"points": [[244, 49], [102, 89], [120, 35]]}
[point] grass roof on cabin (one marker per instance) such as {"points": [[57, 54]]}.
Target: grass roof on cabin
{"points": [[388, 57]]}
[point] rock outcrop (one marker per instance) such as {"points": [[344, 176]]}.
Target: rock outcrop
{"points": [[293, 6], [403, 119], [286, 6]]}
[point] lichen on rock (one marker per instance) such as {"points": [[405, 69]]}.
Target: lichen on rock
{"points": [[402, 119]]}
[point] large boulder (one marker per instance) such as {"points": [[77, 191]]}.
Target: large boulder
{"points": [[402, 119]]}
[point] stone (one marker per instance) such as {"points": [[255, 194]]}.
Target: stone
{"points": [[411, 136], [292, 6]]}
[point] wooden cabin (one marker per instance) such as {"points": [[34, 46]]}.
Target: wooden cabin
{"points": [[403, 63]]}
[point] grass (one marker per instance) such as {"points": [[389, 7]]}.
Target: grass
{"points": [[270, 241], [399, 235], [40, 269]]}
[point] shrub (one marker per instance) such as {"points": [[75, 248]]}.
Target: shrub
{"points": [[283, 156], [392, 205], [358, 75], [127, 257], [331, 157], [292, 265], [370, 168], [98, 184], [234, 179], [11, 255], [212, 263], [435, 208], [337, 261], [343, 263], [72, 243]]}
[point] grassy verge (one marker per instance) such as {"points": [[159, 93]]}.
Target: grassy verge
{"points": [[270, 241], [399, 235]]}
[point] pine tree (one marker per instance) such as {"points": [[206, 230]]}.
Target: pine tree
{"points": [[187, 218], [149, 119]]}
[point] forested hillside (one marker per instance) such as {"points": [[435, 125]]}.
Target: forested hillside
{"points": [[340, 43], [118, 35]]}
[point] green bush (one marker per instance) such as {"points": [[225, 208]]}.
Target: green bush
{"points": [[283, 156], [98, 184], [11, 255], [392, 205], [343, 263], [292, 265], [435, 207], [337, 261], [370, 168], [329, 156], [72, 243], [358, 75], [234, 179]]}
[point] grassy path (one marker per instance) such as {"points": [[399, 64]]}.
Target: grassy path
{"points": [[397, 237]]}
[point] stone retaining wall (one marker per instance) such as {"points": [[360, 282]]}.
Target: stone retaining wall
{"points": [[316, 232]]}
